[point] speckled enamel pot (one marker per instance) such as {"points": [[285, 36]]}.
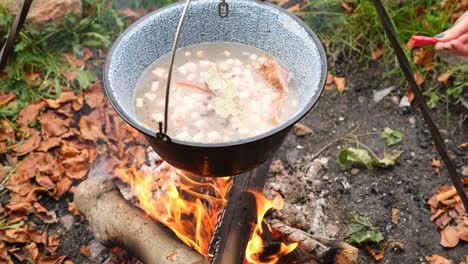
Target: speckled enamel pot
{"points": [[257, 24]]}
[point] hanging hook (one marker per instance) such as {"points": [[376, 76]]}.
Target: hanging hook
{"points": [[223, 8], [162, 134]]}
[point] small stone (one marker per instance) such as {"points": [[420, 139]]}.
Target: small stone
{"points": [[67, 221], [395, 100], [412, 120], [300, 147], [96, 250], [332, 229], [341, 119], [464, 170], [354, 171], [325, 177]]}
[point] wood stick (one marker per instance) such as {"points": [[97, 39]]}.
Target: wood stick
{"points": [[319, 249], [115, 222], [235, 224]]}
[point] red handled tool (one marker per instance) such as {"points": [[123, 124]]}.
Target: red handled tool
{"points": [[421, 41]]}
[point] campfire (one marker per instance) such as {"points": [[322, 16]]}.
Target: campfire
{"points": [[190, 206]]}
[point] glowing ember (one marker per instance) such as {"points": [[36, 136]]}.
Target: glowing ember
{"points": [[190, 206]]}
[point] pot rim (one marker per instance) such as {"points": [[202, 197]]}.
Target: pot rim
{"points": [[152, 133]]}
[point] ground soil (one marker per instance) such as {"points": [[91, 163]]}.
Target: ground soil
{"points": [[373, 192]]}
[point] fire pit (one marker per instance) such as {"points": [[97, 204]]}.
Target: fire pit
{"points": [[260, 25], [218, 217]]}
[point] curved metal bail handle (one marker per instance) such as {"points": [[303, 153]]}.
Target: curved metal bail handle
{"points": [[162, 134], [15, 29]]}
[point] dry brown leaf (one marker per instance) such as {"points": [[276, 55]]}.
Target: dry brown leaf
{"points": [[53, 243], [132, 13], [33, 251], [395, 215], [346, 7], [30, 112], [377, 53], [48, 217], [49, 143], [70, 75], [61, 187], [31, 143], [91, 127], [462, 228], [330, 79], [437, 259], [445, 77], [52, 125], [66, 110], [6, 98], [26, 169], [7, 135], [45, 181], [449, 237], [376, 255], [51, 259], [301, 130], [418, 78], [75, 162], [37, 237], [340, 84], [94, 96], [65, 96], [18, 209], [87, 54], [72, 208], [409, 94], [436, 165], [463, 145], [424, 58], [465, 261], [443, 220], [294, 8], [86, 250]]}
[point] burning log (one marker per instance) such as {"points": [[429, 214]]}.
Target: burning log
{"points": [[317, 249], [115, 222], [235, 224]]}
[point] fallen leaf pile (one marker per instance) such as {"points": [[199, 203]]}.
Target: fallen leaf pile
{"points": [[50, 148], [448, 212]]}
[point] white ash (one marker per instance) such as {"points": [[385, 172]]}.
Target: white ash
{"points": [[303, 201]]}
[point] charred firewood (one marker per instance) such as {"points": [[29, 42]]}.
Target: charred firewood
{"points": [[115, 222]]}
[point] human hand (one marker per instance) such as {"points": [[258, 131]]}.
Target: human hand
{"points": [[455, 39]]}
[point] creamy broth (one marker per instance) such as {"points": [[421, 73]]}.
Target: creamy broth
{"points": [[219, 92]]}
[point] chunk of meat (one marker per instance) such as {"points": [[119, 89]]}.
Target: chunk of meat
{"points": [[278, 77]]}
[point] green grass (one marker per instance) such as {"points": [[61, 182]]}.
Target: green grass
{"points": [[41, 51], [362, 32]]}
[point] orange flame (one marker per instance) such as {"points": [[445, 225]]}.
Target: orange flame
{"points": [[255, 247], [190, 206]]}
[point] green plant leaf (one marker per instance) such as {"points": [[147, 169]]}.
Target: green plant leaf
{"points": [[361, 230], [389, 158], [85, 78], [391, 136], [350, 157]]}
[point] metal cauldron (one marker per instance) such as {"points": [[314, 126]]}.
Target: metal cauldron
{"points": [[258, 24]]}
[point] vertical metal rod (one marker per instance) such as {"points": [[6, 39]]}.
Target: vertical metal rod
{"points": [[15, 29], [171, 65], [420, 101]]}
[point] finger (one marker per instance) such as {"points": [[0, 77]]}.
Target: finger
{"points": [[459, 47], [454, 32]]}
